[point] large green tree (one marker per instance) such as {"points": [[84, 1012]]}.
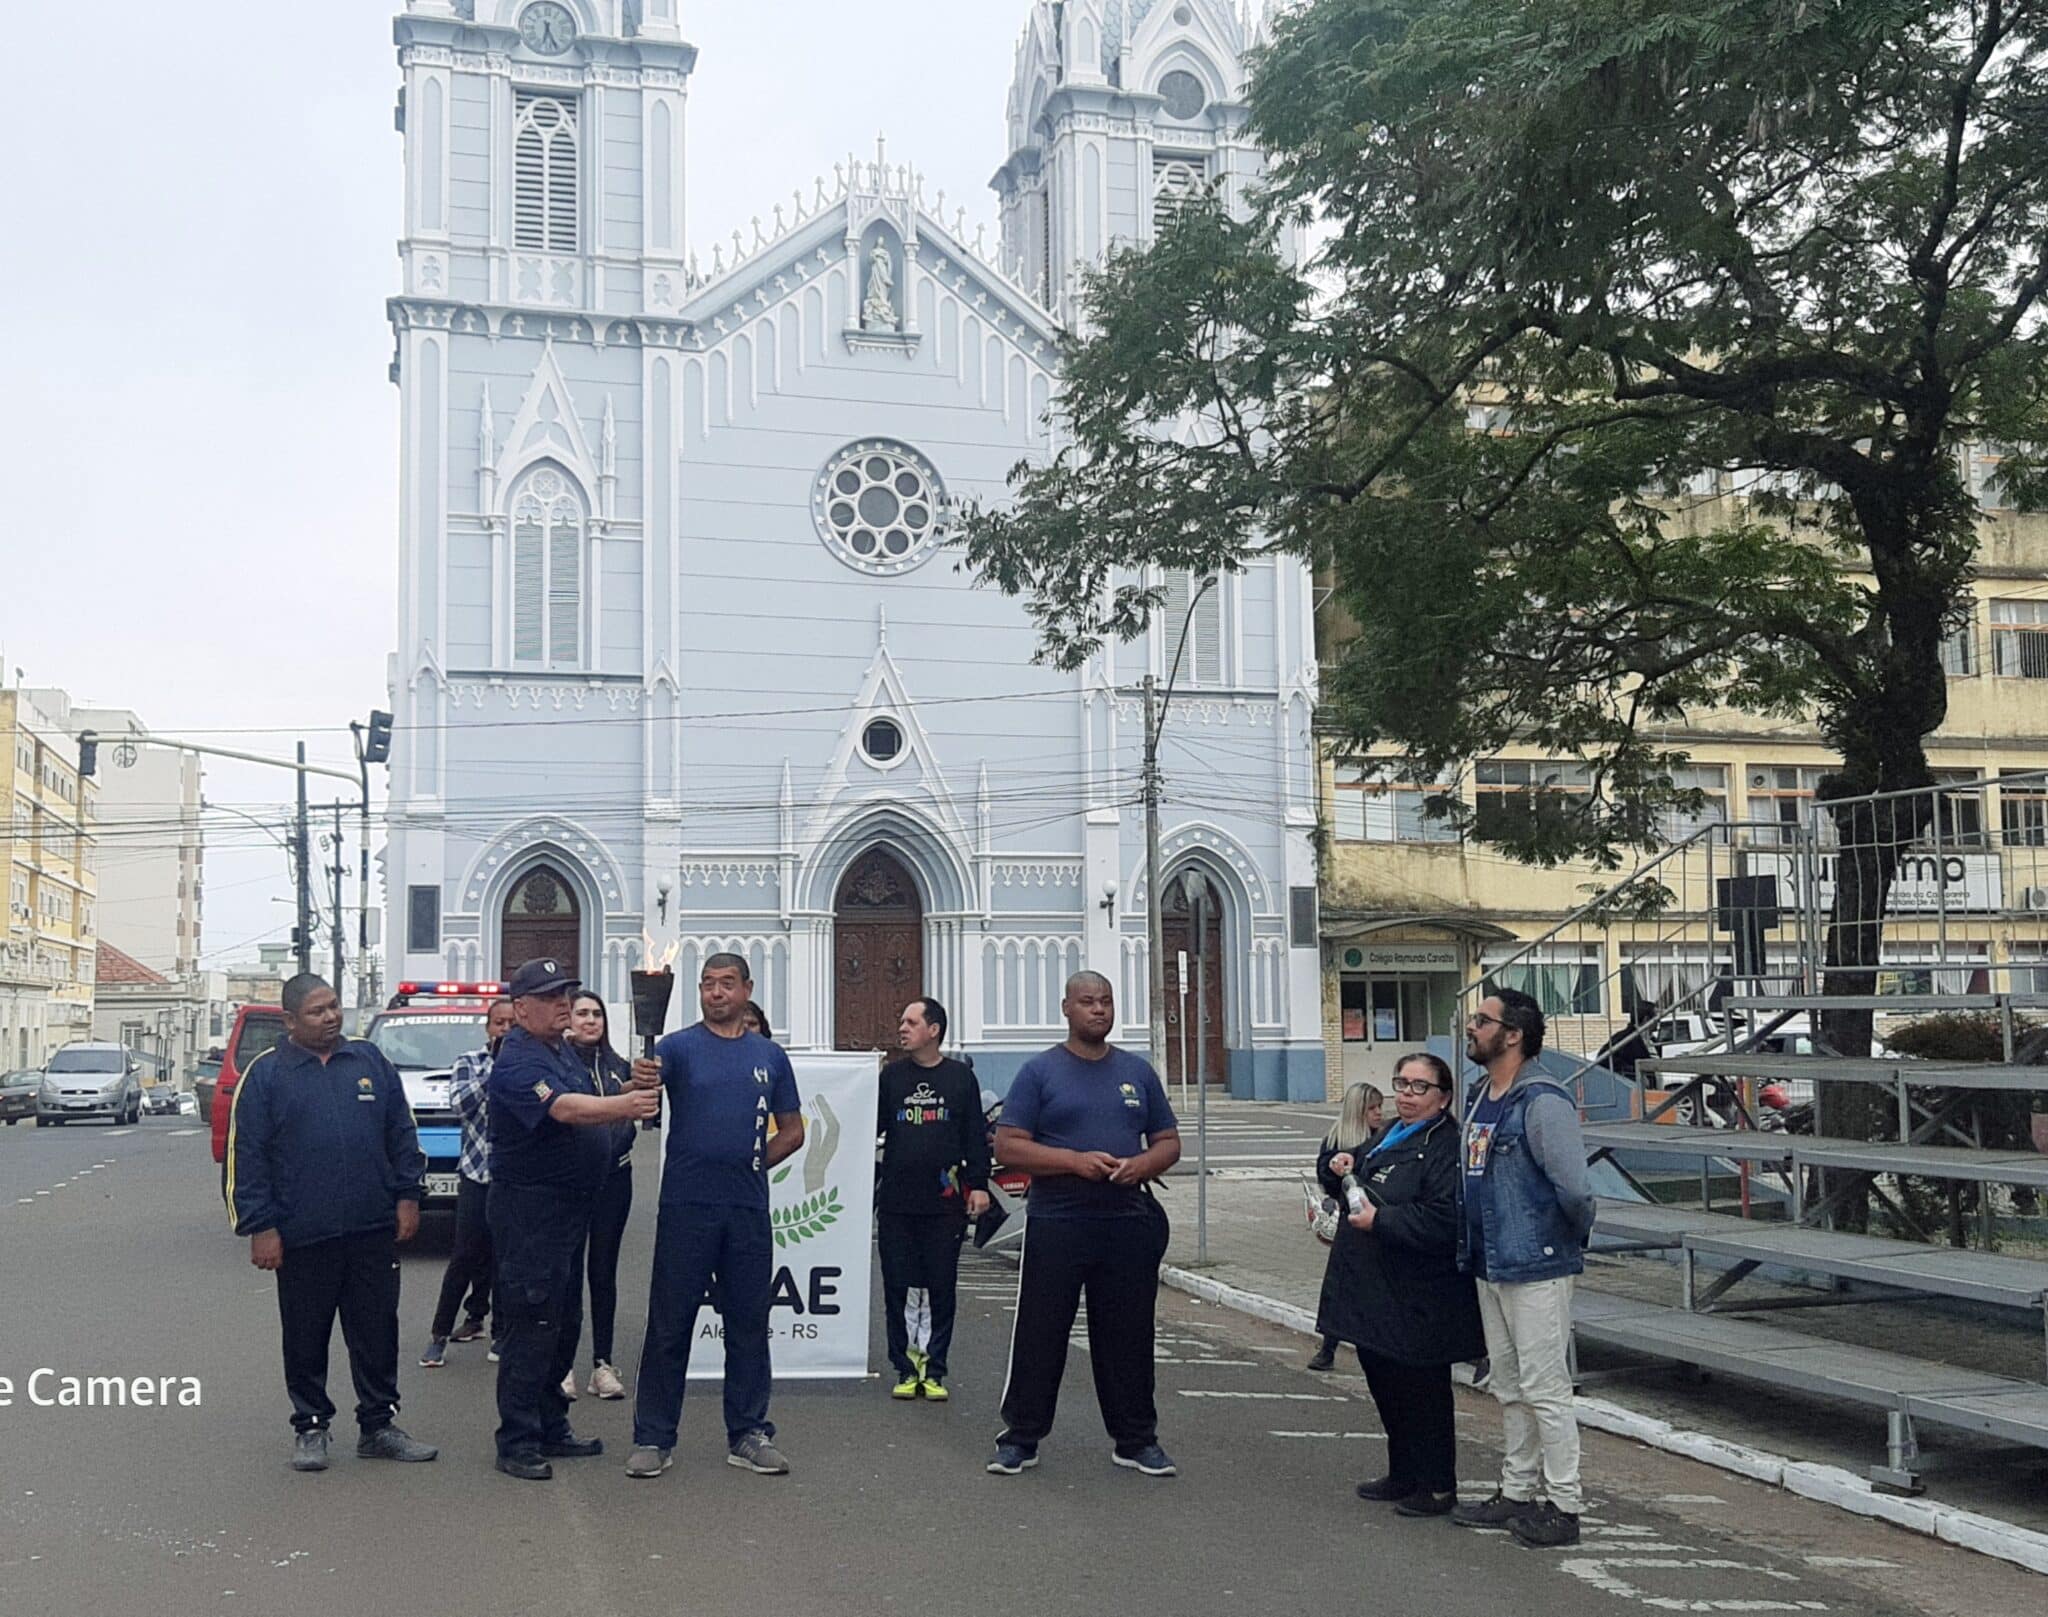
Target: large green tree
{"points": [[1580, 264]]}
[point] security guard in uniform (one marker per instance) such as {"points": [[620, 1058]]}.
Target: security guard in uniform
{"points": [[324, 1176], [550, 1152]]}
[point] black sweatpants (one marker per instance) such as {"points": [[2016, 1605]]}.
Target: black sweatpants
{"points": [[1418, 1415], [1114, 1263], [469, 1263], [539, 1236], [607, 1234], [356, 1277], [920, 1250]]}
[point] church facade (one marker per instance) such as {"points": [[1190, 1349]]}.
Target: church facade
{"points": [[685, 661]]}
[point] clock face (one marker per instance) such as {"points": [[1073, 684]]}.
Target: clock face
{"points": [[547, 27]]}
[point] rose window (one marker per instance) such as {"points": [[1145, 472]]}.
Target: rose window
{"points": [[880, 507]]}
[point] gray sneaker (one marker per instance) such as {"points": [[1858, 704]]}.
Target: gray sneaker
{"points": [[389, 1443], [646, 1462], [309, 1450], [755, 1453]]}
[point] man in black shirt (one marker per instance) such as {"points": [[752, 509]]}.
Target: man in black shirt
{"points": [[933, 1178]]}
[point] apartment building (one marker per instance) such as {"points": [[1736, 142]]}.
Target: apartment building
{"points": [[47, 850]]}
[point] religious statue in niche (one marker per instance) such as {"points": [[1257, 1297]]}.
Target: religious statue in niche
{"points": [[879, 312]]}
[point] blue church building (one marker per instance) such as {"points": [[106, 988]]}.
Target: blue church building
{"points": [[685, 660]]}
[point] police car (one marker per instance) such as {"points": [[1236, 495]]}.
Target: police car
{"points": [[422, 1032]]}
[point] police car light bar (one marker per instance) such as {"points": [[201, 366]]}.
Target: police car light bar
{"points": [[451, 990]]}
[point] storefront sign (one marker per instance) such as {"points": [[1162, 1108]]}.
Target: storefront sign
{"points": [[821, 1209], [1407, 957], [1927, 883]]}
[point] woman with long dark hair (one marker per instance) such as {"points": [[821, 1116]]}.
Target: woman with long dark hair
{"points": [[590, 1038]]}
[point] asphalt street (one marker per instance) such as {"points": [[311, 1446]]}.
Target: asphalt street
{"points": [[115, 1260]]}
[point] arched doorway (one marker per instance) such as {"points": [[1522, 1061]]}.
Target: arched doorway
{"points": [[878, 951], [1195, 1020], [542, 921]]}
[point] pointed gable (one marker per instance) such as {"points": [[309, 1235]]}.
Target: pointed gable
{"points": [[546, 428]]}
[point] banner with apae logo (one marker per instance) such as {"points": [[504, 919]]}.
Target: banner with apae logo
{"points": [[821, 1208]]}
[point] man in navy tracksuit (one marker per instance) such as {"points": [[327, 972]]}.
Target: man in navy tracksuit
{"points": [[324, 1175]]}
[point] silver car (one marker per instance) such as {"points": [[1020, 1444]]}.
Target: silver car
{"points": [[18, 1095], [83, 1081]]}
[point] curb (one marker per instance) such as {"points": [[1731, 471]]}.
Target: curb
{"points": [[1825, 1484]]}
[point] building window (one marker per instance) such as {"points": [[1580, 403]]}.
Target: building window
{"points": [[544, 172], [1201, 654], [1376, 802], [1184, 94], [1780, 799], [1959, 651], [1302, 919], [879, 506], [1564, 980], [2019, 639], [422, 920], [1961, 803], [1711, 782], [1514, 797], [1176, 177], [2023, 809], [547, 571], [882, 742]]}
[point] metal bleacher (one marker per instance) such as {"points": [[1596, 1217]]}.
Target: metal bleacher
{"points": [[1718, 1250]]}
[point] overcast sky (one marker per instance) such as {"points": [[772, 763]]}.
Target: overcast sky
{"points": [[199, 524]]}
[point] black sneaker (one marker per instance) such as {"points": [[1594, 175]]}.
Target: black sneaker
{"points": [[1151, 1459], [1385, 1490], [1325, 1359], [573, 1447], [1499, 1511], [1424, 1503], [435, 1355], [1546, 1528], [1011, 1458], [389, 1443], [472, 1330], [526, 1467], [309, 1450]]}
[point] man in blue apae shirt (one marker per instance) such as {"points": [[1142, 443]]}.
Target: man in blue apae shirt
{"points": [[324, 1176], [724, 1084], [1091, 1125]]}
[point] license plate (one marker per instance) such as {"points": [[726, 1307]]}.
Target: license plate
{"points": [[441, 1184]]}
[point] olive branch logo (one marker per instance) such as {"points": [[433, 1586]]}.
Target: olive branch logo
{"points": [[812, 1216]]}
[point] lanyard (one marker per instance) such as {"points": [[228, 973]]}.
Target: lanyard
{"points": [[1395, 1135]]}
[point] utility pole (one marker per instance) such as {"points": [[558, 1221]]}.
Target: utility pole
{"points": [[337, 870], [302, 860], [373, 746], [1155, 925]]}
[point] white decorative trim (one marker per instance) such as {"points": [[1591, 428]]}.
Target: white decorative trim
{"points": [[728, 872], [518, 840], [1036, 873]]}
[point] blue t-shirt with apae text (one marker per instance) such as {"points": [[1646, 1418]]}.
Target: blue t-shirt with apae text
{"points": [[721, 1095], [1116, 1104]]}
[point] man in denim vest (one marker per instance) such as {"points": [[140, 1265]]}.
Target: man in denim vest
{"points": [[1528, 1212]]}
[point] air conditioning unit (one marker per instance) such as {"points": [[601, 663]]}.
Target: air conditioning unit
{"points": [[2034, 898]]}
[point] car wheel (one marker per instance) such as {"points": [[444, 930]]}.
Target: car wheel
{"points": [[12, 1121]]}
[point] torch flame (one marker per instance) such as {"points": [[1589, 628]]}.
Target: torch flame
{"points": [[663, 959]]}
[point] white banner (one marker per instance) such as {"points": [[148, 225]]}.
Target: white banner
{"points": [[821, 1205], [1927, 883]]}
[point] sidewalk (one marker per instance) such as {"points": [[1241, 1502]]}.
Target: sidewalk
{"points": [[1259, 1245]]}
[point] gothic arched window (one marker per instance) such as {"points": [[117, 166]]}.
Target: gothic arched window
{"points": [[547, 571]]}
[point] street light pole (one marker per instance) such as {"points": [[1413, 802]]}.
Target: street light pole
{"points": [[336, 870], [302, 861]]}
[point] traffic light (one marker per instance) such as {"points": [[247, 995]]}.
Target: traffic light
{"points": [[88, 754], [377, 743]]}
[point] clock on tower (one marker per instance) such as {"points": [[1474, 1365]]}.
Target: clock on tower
{"points": [[547, 28]]}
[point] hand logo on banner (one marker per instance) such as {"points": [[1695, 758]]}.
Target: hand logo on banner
{"points": [[820, 1208]]}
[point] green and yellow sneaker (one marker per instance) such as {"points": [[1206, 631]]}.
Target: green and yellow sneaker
{"points": [[909, 1387], [934, 1389]]}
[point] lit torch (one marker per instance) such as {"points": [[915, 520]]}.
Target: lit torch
{"points": [[653, 990]]}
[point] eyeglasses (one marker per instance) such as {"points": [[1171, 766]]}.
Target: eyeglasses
{"points": [[1481, 1019], [1405, 1086]]}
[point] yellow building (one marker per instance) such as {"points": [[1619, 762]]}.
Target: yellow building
{"points": [[1412, 911], [46, 848]]}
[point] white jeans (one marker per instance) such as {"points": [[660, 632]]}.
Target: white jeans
{"points": [[917, 1317], [1528, 1343]]}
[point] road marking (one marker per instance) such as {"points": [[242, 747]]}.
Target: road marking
{"points": [[1689, 1499], [1355, 1437], [1594, 1570], [42, 1193], [119, 1134], [179, 1134], [24, 1201], [1863, 1563], [1287, 1397], [1228, 1364]]}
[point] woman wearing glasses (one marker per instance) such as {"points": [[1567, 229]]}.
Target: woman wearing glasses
{"points": [[1394, 1292]]}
